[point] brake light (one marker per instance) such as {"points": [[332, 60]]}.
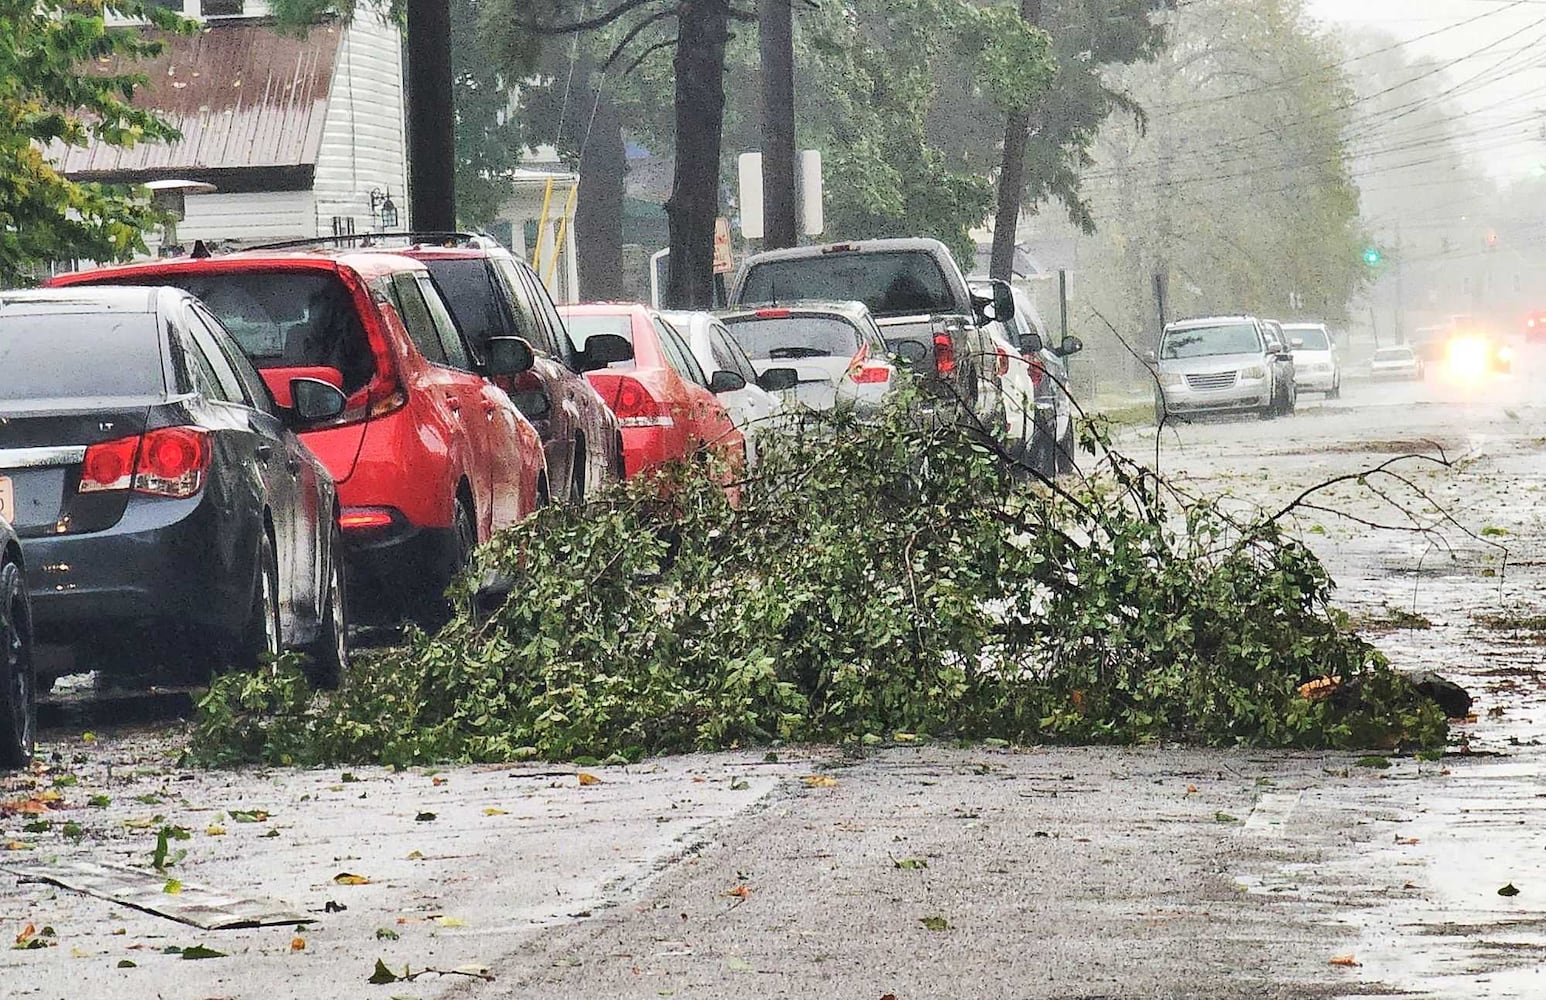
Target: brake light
{"points": [[870, 374], [166, 462], [944, 353], [635, 407], [365, 518], [1003, 361], [772, 313], [109, 465]]}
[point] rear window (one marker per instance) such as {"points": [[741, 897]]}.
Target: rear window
{"points": [[898, 283], [466, 286], [795, 337], [1312, 338], [70, 355], [1393, 354], [287, 319], [582, 328]]}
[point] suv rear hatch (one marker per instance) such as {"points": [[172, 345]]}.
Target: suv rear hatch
{"points": [[292, 320]]}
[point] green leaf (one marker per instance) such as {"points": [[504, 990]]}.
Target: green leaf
{"points": [[909, 864], [1373, 761], [935, 923], [124, 963], [383, 975], [198, 951]]}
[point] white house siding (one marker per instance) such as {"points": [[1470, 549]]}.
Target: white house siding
{"points": [[363, 143], [252, 217]]}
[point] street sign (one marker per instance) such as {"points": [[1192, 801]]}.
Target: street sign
{"points": [[808, 191]]}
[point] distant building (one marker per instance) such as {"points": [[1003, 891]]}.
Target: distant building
{"points": [[301, 137]]}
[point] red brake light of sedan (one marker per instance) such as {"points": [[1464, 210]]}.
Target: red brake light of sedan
{"points": [[944, 353], [772, 313], [872, 373], [635, 407], [168, 462]]}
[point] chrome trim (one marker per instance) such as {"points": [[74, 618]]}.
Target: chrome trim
{"points": [[41, 458]]}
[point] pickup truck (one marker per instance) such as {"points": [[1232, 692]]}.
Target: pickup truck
{"points": [[929, 316]]}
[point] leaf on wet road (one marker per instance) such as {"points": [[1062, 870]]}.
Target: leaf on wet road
{"points": [[909, 864], [424, 817], [1508, 890], [934, 923], [742, 891], [297, 943], [215, 830], [383, 975], [735, 963], [819, 781], [198, 951], [386, 934], [587, 778], [1346, 961], [349, 878], [1224, 817], [494, 811], [172, 887], [249, 815]]}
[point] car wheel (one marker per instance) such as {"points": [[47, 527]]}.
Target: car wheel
{"points": [[1336, 390], [330, 653], [19, 699], [260, 637]]}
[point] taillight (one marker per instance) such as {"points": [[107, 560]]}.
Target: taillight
{"points": [[109, 465], [1003, 361], [635, 407], [366, 518], [167, 462], [869, 374], [772, 313], [944, 352], [1038, 370]]}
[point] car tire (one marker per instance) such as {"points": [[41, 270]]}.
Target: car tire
{"points": [[1336, 390], [260, 635], [329, 655], [19, 697], [1065, 451]]}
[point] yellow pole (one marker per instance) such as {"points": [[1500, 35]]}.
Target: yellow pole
{"points": [[542, 223], [563, 231]]}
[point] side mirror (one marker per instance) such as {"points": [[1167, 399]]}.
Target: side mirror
{"points": [[602, 349], [1031, 343], [1273, 347], [778, 379], [508, 356], [996, 307], [726, 381], [1150, 357], [1070, 345], [313, 400]]}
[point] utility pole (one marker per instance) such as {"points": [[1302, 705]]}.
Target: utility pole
{"points": [[431, 118], [775, 26], [1400, 290], [1011, 174]]}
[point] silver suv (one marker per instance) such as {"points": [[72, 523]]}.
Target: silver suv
{"points": [[1223, 364]]}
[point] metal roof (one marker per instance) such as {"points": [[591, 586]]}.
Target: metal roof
{"points": [[243, 96]]}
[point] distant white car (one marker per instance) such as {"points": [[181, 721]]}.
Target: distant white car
{"points": [[753, 409], [1019, 391], [1396, 362], [836, 348], [1317, 366]]}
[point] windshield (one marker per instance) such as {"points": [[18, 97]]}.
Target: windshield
{"points": [[1210, 341], [286, 319], [795, 337], [1312, 338], [899, 283], [108, 354]]}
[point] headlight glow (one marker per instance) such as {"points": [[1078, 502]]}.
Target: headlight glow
{"points": [[1253, 371], [1467, 357], [1171, 378]]}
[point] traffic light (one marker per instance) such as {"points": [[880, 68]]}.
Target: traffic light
{"points": [[1373, 257]]}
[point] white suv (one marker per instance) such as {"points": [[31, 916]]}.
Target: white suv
{"points": [[1317, 366]]}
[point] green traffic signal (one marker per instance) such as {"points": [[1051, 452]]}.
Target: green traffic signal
{"points": [[1373, 257]]}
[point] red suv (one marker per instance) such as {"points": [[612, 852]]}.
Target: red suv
{"points": [[430, 457]]}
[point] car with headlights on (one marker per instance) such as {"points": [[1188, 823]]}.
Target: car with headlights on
{"points": [[1317, 363], [1222, 365], [169, 515]]}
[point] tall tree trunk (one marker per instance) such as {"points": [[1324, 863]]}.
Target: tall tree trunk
{"points": [[598, 215], [1011, 175], [775, 35], [431, 118], [703, 29]]}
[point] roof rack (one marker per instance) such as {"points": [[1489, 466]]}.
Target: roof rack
{"points": [[443, 238]]}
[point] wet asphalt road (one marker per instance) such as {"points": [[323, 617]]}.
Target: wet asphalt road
{"points": [[1116, 873]]}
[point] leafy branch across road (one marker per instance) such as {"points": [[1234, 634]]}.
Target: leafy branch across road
{"points": [[879, 577]]}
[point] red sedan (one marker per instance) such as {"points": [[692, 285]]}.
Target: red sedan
{"points": [[663, 399]]}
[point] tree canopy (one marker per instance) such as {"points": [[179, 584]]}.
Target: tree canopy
{"points": [[60, 87]]}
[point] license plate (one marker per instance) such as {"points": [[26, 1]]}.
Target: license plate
{"points": [[7, 499]]}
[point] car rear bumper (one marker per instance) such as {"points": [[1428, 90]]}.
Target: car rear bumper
{"points": [[1315, 381], [393, 569], [646, 448], [166, 562]]}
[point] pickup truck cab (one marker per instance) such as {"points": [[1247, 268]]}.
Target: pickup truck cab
{"points": [[914, 289]]}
